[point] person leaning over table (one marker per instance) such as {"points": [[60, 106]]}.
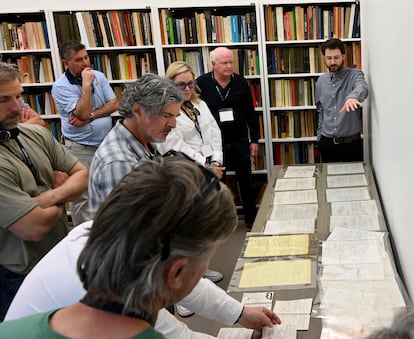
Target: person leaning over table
{"points": [[85, 101], [149, 107], [229, 98], [33, 217], [339, 95], [143, 252]]}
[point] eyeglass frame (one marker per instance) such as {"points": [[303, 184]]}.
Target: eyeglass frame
{"points": [[182, 85], [213, 182]]}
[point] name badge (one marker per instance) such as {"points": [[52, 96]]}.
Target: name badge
{"points": [[226, 114], [206, 150]]}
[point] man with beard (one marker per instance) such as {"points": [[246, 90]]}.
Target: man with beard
{"points": [[339, 95], [33, 217]]}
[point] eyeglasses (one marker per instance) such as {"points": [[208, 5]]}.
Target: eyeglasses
{"points": [[183, 85], [212, 183]]}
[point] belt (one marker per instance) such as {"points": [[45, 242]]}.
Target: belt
{"points": [[342, 140], [79, 143]]}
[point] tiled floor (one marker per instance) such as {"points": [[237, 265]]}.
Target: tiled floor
{"points": [[230, 251]]}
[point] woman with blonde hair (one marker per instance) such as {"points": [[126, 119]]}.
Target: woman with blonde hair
{"points": [[197, 133]]}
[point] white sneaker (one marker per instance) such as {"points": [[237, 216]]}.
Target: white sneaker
{"points": [[214, 276], [183, 312]]}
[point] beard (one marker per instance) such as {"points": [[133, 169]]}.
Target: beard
{"points": [[10, 116], [335, 68]]}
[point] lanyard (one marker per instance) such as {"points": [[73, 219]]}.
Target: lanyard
{"points": [[221, 95], [28, 162]]}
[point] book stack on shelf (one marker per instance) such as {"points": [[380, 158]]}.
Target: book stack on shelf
{"points": [[24, 41]]}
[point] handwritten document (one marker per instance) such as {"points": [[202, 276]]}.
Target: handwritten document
{"points": [[276, 273], [374, 271], [278, 245], [347, 194], [345, 168], [295, 306], [295, 197], [350, 252], [299, 172], [234, 333], [258, 299], [295, 184], [290, 226], [361, 222], [280, 331], [346, 180], [368, 207], [298, 211]]}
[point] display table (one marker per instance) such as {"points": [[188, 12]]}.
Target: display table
{"points": [[320, 234]]}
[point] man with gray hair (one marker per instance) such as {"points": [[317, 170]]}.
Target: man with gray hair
{"points": [[149, 107]]}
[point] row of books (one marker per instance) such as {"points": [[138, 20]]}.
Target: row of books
{"points": [[292, 92], [42, 102], [23, 36], [256, 92], [290, 60], [124, 66], [114, 28], [55, 128], [194, 58], [33, 68], [206, 27], [294, 124], [312, 22], [296, 153], [258, 162]]}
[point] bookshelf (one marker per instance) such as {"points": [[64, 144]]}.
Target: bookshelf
{"points": [[292, 33], [24, 41], [119, 42], [275, 46]]}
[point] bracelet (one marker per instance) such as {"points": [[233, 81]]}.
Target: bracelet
{"points": [[241, 313]]}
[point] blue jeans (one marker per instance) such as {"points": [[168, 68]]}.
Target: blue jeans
{"points": [[9, 284]]}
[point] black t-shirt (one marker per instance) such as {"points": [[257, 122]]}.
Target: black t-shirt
{"points": [[237, 96]]}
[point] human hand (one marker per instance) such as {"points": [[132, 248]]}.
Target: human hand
{"points": [[351, 104], [87, 76], [218, 170], [258, 317], [59, 178], [27, 113], [75, 121], [254, 149]]}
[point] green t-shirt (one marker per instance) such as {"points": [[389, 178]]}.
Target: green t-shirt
{"points": [[37, 327], [17, 188]]}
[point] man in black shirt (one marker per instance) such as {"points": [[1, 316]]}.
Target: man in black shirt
{"points": [[230, 101]]}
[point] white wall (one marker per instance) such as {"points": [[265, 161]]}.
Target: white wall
{"points": [[388, 54]]}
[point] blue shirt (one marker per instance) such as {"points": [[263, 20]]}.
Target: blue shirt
{"points": [[114, 159], [331, 92], [67, 95]]}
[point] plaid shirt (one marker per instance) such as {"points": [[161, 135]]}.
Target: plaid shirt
{"points": [[115, 157]]}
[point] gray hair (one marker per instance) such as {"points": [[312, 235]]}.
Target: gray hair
{"points": [[401, 328], [152, 92], [8, 72], [67, 47], [123, 256], [218, 52]]}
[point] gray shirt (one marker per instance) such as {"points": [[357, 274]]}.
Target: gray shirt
{"points": [[332, 90]]}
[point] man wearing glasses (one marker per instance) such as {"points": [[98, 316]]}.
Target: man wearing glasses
{"points": [[149, 107]]}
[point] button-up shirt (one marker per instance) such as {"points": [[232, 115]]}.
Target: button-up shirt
{"points": [[332, 90]]}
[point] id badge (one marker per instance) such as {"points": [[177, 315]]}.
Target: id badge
{"points": [[226, 114], [206, 150]]}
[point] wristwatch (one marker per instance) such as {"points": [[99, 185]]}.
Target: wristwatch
{"points": [[91, 116]]}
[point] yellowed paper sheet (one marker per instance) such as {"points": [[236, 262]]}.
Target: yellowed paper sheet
{"points": [[279, 245], [276, 273]]}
